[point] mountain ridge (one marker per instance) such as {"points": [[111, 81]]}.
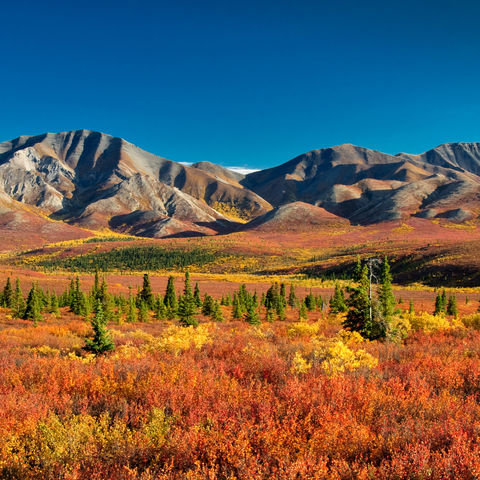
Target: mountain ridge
{"points": [[97, 181]]}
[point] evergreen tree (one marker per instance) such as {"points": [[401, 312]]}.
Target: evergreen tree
{"points": [[196, 296], [101, 341], [270, 315], [444, 300], [251, 316], [385, 293], [186, 307], [208, 305], [237, 308], [18, 306], [302, 311], [410, 308], [33, 307], [217, 314], [146, 294], [357, 271], [143, 311], [337, 302], [53, 305], [8, 297], [310, 302], [160, 309], [280, 310], [292, 298], [358, 316], [131, 310], [439, 305], [452, 306], [283, 294], [272, 298], [170, 299]]}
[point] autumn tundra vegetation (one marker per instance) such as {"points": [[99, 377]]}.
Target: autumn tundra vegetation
{"points": [[276, 383]]}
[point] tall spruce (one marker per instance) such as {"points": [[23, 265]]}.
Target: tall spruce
{"points": [[292, 298], [33, 309], [337, 302], [8, 297], [101, 341], [186, 307], [170, 299], [386, 298]]}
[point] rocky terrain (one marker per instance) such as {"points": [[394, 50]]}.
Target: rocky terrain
{"points": [[95, 181]]}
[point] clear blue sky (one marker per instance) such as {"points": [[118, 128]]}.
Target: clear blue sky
{"points": [[247, 83]]}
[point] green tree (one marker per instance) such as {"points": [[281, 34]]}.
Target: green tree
{"points": [[196, 295], [101, 341], [357, 271], [302, 311], [8, 297], [146, 294], [362, 317], [132, 315], [337, 302], [33, 308], [452, 306], [251, 316], [186, 307], [170, 299], [386, 298], [292, 298]]}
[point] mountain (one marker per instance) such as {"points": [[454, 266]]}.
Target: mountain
{"points": [[90, 180], [296, 216], [366, 186], [96, 181]]}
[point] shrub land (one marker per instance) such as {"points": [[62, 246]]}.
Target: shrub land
{"points": [[185, 385]]}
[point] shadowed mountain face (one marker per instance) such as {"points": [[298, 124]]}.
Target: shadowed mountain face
{"points": [[366, 186], [96, 181]]}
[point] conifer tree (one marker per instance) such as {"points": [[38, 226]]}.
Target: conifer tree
{"points": [[439, 305], [270, 315], [292, 298], [131, 310], [143, 311], [217, 313], [358, 315], [302, 311], [186, 307], [452, 306], [18, 306], [251, 316], [196, 295], [386, 298], [8, 295], [208, 305], [357, 271], [146, 294], [53, 306], [237, 308], [170, 299], [101, 341], [337, 302], [280, 310], [160, 309], [33, 306], [310, 301], [410, 308], [283, 294]]}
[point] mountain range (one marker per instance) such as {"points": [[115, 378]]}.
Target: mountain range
{"points": [[92, 180]]}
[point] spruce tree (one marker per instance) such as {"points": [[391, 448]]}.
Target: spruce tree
{"points": [[101, 341], [411, 310], [196, 296], [143, 311], [439, 305], [251, 316], [186, 307], [217, 313], [208, 305], [357, 271], [302, 311], [170, 299], [18, 306], [146, 294], [386, 298], [53, 306], [337, 302], [237, 308], [33, 307], [131, 310], [452, 306], [310, 302], [358, 316], [292, 298], [160, 309], [8, 297]]}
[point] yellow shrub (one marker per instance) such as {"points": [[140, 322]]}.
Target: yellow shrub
{"points": [[350, 338], [472, 321], [431, 323], [299, 364], [301, 329], [335, 357], [156, 429], [176, 339], [45, 351]]}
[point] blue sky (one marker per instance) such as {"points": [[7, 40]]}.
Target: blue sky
{"points": [[250, 83]]}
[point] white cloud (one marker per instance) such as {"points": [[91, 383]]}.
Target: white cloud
{"points": [[243, 170]]}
